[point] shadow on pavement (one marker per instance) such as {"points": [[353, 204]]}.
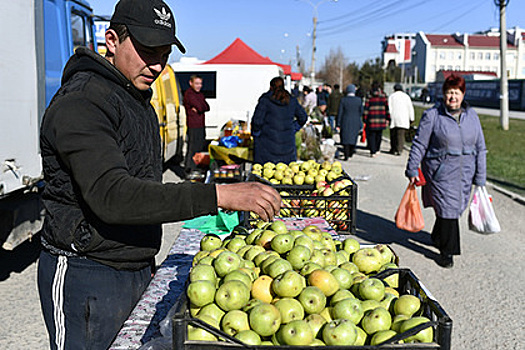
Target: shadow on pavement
{"points": [[18, 259], [376, 229]]}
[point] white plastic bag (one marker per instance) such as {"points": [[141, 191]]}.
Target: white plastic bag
{"points": [[482, 218]]}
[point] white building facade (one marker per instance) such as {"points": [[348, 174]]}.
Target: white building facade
{"points": [[467, 52]]}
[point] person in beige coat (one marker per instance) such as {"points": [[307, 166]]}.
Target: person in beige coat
{"points": [[401, 116]]}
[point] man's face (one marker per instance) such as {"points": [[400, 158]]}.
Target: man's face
{"points": [[196, 84], [140, 64]]}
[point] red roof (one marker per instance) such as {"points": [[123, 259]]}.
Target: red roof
{"points": [[391, 48], [485, 41], [287, 69], [442, 40], [239, 53], [296, 76]]}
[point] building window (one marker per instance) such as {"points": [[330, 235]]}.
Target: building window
{"points": [[495, 56], [523, 71], [442, 67], [494, 69], [487, 56], [487, 69], [449, 67], [459, 56], [472, 55], [457, 68], [480, 55], [442, 56], [478, 69], [451, 55], [470, 67]]}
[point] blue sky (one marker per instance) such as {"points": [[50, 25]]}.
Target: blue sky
{"points": [[274, 28]]}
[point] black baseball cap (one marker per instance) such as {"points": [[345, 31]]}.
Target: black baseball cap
{"points": [[150, 22]]}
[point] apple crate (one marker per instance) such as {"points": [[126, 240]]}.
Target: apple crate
{"points": [[338, 210], [408, 284]]}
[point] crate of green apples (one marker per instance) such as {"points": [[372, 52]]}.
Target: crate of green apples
{"points": [[273, 288]]}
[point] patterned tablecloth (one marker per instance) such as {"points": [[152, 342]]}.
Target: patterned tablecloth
{"points": [[168, 283]]}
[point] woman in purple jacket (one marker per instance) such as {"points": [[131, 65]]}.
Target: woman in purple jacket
{"points": [[450, 147]]}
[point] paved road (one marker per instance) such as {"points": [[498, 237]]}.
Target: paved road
{"points": [[483, 293]]}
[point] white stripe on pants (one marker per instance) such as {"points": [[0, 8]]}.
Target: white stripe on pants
{"points": [[58, 302]]}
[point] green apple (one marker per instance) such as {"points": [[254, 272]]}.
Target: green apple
{"points": [[268, 173], [361, 337], [424, 336], [349, 309], [278, 267], [226, 261], [199, 256], [278, 175], [288, 284], [368, 260], [235, 321], [341, 294], [248, 337], [235, 244], [238, 275], [287, 180], [232, 295], [268, 261], [344, 277], [320, 180], [325, 281], [290, 309], [376, 320], [388, 302], [313, 300], [253, 252], [340, 332], [210, 242], [351, 245], [382, 336], [316, 322], [309, 179], [329, 257], [313, 232], [309, 267], [201, 293], [332, 175], [250, 239], [203, 272], [327, 313], [298, 256], [282, 243], [304, 240], [244, 249], [262, 256], [392, 280], [317, 257], [372, 288], [213, 311], [296, 332], [265, 319], [407, 305], [265, 238], [397, 321], [197, 333], [279, 227], [298, 179], [370, 304], [387, 256], [257, 166], [342, 257]]}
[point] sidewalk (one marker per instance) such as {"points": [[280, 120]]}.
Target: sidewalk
{"points": [[483, 287]]}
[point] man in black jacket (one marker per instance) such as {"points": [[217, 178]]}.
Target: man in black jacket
{"points": [[104, 199]]}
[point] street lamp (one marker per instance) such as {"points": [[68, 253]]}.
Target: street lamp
{"points": [[314, 7]]}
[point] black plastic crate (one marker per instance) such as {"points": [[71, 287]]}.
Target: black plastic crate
{"points": [[338, 210], [408, 284]]}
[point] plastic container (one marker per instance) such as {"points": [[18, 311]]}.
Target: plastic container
{"points": [[408, 284]]}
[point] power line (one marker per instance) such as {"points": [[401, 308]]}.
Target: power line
{"points": [[354, 13], [457, 17]]}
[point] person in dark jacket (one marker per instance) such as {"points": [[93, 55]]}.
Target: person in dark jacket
{"points": [[376, 118], [195, 105], [277, 117], [104, 199], [349, 120], [450, 147], [333, 105]]}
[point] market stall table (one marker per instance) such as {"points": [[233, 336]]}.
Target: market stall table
{"points": [[143, 324], [225, 154]]}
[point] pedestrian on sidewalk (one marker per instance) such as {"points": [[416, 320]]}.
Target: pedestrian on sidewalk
{"points": [[104, 197], [376, 118], [450, 147], [333, 105], [349, 120], [401, 116]]}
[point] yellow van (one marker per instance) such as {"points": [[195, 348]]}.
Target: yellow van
{"points": [[167, 102]]}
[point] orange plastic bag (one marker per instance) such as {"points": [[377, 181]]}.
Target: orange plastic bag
{"points": [[409, 216]]}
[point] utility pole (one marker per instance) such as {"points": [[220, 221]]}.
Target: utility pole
{"points": [[504, 88], [312, 68]]}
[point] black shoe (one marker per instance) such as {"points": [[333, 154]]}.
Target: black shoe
{"points": [[445, 260]]}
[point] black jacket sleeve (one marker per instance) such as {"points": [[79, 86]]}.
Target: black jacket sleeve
{"points": [[87, 145]]}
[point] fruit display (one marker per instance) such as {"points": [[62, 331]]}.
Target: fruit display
{"points": [[275, 286], [322, 190]]}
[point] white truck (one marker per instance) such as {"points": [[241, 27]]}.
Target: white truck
{"points": [[38, 37]]}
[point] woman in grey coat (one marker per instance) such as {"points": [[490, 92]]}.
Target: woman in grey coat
{"points": [[450, 146], [349, 120]]}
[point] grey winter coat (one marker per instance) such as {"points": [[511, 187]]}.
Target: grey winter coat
{"points": [[452, 157], [349, 119]]}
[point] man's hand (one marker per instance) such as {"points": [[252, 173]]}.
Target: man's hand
{"points": [[249, 196]]}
